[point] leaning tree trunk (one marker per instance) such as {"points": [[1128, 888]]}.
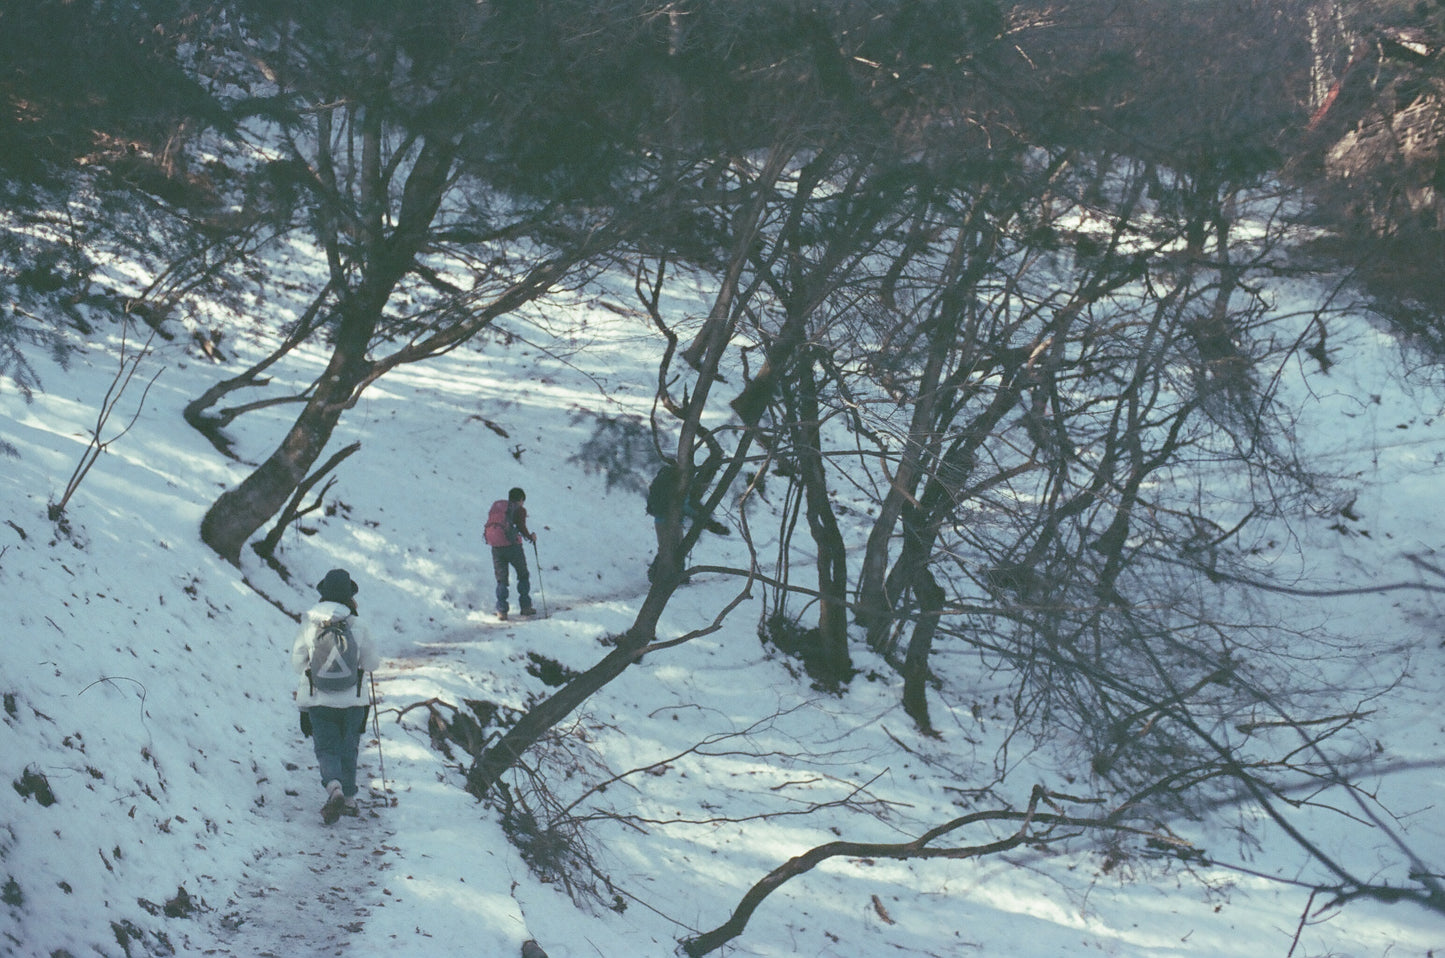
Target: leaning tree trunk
{"points": [[238, 513], [487, 768]]}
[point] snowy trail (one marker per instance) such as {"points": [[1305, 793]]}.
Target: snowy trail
{"points": [[390, 881], [312, 889]]}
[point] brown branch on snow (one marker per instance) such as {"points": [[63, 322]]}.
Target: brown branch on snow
{"points": [[919, 848]]}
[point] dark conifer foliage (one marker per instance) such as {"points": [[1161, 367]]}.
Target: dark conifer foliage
{"points": [[99, 80]]}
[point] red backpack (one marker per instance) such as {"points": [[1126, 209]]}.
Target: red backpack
{"points": [[499, 531]]}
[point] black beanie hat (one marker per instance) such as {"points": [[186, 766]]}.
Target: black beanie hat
{"points": [[337, 586]]}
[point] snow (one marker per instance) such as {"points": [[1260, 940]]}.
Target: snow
{"points": [[147, 682]]}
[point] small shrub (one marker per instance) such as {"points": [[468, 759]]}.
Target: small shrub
{"points": [[181, 905], [557, 851], [551, 672], [32, 784], [129, 363]]}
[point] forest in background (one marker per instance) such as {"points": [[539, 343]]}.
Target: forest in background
{"points": [[992, 277]]}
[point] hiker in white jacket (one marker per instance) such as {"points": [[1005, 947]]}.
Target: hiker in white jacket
{"points": [[334, 706]]}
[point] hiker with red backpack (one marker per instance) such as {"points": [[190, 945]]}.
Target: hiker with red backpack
{"points": [[333, 653], [506, 528]]}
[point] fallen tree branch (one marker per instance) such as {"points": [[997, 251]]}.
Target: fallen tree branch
{"points": [[919, 848]]}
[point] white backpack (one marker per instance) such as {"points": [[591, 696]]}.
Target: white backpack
{"points": [[335, 658]]}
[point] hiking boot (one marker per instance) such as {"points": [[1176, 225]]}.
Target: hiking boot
{"points": [[335, 801], [528, 611], [349, 809], [502, 615]]}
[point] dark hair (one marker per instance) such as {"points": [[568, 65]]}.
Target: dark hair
{"points": [[516, 494]]}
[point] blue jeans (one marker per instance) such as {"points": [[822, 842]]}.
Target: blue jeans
{"points": [[511, 557], [336, 734]]}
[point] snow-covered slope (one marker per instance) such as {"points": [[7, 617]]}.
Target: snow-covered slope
{"points": [[165, 802]]}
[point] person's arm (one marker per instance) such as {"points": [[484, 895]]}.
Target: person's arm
{"points": [[301, 647], [520, 521]]}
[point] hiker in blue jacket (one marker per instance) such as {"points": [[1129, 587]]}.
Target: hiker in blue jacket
{"points": [[506, 528], [330, 694]]}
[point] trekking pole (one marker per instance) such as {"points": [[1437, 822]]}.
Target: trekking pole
{"points": [[540, 589], [376, 730]]}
